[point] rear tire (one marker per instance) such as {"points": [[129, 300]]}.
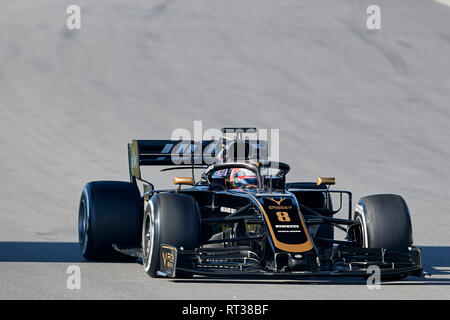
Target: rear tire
{"points": [[172, 219], [109, 213], [385, 223]]}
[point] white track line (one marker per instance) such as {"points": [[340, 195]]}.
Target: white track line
{"points": [[446, 2]]}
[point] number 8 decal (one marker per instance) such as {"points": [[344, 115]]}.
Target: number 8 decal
{"points": [[283, 216]]}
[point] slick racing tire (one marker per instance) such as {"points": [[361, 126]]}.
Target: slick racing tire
{"points": [[171, 219], [109, 213], [385, 223]]}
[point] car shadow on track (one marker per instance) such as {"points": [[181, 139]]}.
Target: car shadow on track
{"points": [[436, 260], [43, 252]]}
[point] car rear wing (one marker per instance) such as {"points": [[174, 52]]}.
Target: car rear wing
{"points": [[187, 152], [167, 153]]}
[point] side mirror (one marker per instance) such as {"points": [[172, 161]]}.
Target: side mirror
{"points": [[184, 180], [325, 180]]}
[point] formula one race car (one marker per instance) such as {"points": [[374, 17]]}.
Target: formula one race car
{"points": [[241, 218]]}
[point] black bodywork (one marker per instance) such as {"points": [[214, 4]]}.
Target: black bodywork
{"points": [[275, 229]]}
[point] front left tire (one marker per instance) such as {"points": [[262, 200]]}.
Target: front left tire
{"points": [[385, 222], [172, 219]]}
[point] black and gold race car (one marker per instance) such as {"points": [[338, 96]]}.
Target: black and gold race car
{"points": [[241, 218]]}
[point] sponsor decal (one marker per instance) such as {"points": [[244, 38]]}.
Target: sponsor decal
{"points": [[168, 260], [286, 226], [278, 202], [227, 210], [279, 207]]}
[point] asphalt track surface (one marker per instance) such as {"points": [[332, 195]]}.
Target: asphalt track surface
{"points": [[370, 107]]}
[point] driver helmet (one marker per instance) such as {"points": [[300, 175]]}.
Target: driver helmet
{"points": [[240, 177]]}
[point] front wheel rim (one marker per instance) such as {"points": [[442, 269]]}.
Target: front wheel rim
{"points": [[147, 241], [360, 233], [83, 225]]}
